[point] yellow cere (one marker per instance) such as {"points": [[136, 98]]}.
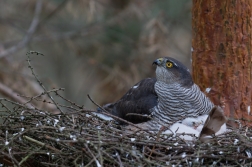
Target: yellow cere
{"points": [[169, 64]]}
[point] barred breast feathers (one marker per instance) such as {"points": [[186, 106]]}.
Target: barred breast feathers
{"points": [[176, 102]]}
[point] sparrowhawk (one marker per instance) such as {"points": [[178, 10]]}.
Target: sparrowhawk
{"points": [[168, 98]]}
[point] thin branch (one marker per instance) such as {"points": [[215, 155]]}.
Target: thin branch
{"points": [[41, 144], [27, 38], [38, 80], [6, 91]]}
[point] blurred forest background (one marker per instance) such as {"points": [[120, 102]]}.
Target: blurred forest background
{"points": [[95, 47]]}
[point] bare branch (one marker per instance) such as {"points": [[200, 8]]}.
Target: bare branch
{"points": [[27, 38], [8, 92]]}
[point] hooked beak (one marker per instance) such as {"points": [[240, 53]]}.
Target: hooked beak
{"points": [[157, 62]]}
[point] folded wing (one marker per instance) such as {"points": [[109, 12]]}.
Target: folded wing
{"points": [[138, 100]]}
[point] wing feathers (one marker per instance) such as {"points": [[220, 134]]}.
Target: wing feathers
{"points": [[138, 100]]}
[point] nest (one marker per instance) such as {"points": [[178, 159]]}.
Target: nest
{"points": [[33, 137], [75, 136]]}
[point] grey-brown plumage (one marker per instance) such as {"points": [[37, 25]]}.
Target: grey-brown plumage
{"points": [[170, 96], [215, 120]]}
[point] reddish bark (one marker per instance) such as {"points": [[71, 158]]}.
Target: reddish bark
{"points": [[222, 53]]}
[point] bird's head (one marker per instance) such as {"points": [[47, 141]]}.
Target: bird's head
{"points": [[170, 70]]}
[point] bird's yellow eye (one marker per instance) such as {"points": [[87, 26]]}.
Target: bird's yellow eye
{"points": [[169, 64]]}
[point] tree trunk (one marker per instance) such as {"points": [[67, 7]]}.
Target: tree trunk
{"points": [[221, 52]]}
